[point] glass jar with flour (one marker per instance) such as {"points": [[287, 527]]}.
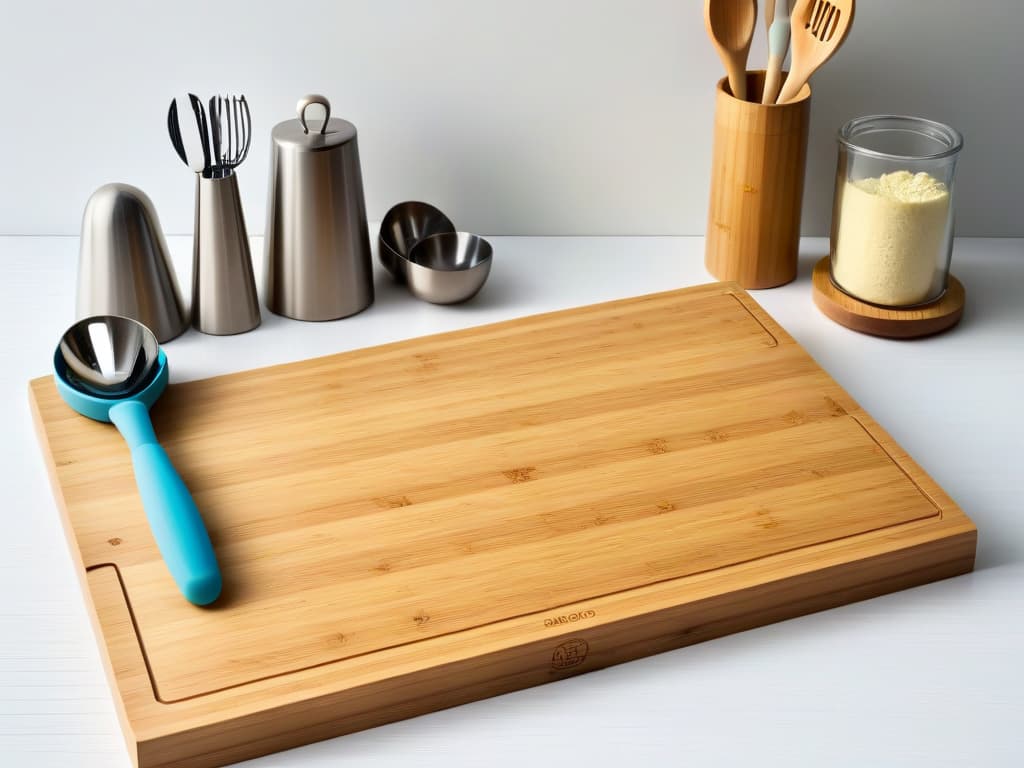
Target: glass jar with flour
{"points": [[892, 215]]}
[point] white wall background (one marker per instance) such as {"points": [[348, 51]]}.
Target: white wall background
{"points": [[515, 117]]}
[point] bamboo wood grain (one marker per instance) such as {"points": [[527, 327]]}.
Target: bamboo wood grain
{"points": [[889, 322], [757, 183], [401, 529]]}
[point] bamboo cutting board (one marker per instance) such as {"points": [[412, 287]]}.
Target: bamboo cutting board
{"points": [[417, 525]]}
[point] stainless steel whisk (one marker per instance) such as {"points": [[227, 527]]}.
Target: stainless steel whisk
{"points": [[231, 133]]}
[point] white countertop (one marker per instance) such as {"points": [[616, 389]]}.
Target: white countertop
{"points": [[926, 677]]}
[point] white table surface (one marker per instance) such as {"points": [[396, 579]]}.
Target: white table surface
{"points": [[931, 676]]}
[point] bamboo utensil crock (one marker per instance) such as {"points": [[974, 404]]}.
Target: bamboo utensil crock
{"points": [[757, 185]]}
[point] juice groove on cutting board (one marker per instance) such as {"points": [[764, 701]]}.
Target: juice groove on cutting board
{"points": [[477, 485]]}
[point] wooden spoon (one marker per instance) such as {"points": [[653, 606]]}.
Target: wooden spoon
{"points": [[819, 28], [730, 25]]}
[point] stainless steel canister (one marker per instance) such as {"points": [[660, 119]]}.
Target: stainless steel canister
{"points": [[318, 243]]}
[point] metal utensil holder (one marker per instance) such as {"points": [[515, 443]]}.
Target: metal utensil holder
{"points": [[224, 299]]}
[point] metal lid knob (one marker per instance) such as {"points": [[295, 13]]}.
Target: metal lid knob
{"points": [[306, 102]]}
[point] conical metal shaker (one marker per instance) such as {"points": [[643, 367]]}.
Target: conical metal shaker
{"points": [[318, 243], [123, 267]]}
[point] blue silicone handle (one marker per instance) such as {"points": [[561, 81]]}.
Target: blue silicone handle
{"points": [[173, 517]]}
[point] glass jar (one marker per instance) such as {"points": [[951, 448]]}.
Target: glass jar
{"points": [[892, 214]]}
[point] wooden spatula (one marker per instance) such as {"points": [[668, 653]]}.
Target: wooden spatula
{"points": [[819, 28], [730, 25]]}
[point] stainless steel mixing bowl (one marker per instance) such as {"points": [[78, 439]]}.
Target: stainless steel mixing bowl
{"points": [[448, 268], [403, 226]]}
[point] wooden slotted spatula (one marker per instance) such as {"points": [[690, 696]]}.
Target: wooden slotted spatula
{"points": [[819, 28]]}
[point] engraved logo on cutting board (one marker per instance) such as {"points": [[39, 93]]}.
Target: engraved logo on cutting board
{"points": [[569, 618], [569, 654]]}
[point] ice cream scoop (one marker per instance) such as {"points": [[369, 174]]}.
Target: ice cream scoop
{"points": [[111, 369]]}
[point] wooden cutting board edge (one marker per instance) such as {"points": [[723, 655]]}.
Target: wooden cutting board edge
{"points": [[314, 703], [450, 670]]}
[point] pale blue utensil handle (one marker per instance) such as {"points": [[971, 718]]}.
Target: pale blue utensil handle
{"points": [[173, 517]]}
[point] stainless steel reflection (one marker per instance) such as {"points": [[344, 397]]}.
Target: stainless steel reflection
{"points": [[224, 299], [109, 356], [123, 265], [318, 243], [403, 226], [449, 268]]}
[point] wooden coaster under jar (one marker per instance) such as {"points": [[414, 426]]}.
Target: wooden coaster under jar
{"points": [[890, 322]]}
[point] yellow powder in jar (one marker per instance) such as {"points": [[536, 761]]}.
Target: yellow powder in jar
{"points": [[891, 238]]}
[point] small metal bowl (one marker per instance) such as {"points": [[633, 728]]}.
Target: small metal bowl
{"points": [[404, 226], [448, 268]]}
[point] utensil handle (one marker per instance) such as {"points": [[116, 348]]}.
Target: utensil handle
{"points": [[778, 45], [790, 88], [173, 517], [738, 83]]}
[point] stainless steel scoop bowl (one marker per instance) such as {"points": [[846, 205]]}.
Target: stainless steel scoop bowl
{"points": [[403, 226], [109, 356], [449, 268]]}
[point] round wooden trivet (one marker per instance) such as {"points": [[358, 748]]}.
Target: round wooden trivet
{"points": [[892, 323]]}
